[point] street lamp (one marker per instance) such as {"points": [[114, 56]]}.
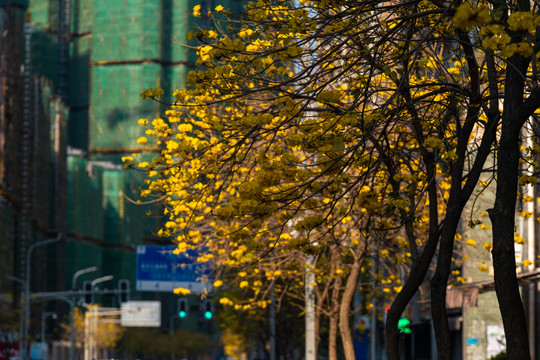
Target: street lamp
{"points": [[44, 315], [98, 281], [79, 273], [101, 279], [27, 290]]}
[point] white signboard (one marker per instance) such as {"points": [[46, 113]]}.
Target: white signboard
{"points": [[141, 314], [496, 342]]}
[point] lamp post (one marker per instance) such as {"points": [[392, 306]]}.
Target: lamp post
{"points": [[310, 308], [43, 318], [24, 352], [79, 273], [101, 279], [98, 281]]}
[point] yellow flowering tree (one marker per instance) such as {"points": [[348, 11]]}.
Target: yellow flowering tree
{"points": [[347, 131]]}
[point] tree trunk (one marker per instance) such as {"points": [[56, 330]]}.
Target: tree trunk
{"points": [[439, 283], [333, 320], [345, 307], [503, 215], [416, 276], [504, 262]]}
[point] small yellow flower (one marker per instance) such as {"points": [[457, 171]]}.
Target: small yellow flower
{"points": [[143, 121], [467, 17], [142, 140], [218, 283], [152, 93], [519, 240], [526, 262], [182, 291], [178, 95], [471, 242], [226, 301], [197, 10], [170, 224], [483, 267], [219, 8], [243, 284]]}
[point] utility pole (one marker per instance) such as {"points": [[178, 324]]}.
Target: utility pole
{"points": [[311, 351], [79, 273], [27, 290]]}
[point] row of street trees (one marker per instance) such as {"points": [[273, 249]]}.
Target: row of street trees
{"points": [[354, 132]]}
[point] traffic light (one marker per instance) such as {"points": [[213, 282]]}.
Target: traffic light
{"points": [[208, 309], [87, 287], [182, 308], [123, 286], [404, 326]]}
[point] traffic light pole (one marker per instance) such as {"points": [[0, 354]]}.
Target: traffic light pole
{"points": [[73, 293], [24, 347], [79, 273]]}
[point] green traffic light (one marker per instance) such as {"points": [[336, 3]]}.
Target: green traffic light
{"points": [[182, 314], [208, 315], [404, 325]]}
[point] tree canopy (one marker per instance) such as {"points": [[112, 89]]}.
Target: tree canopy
{"points": [[351, 131]]}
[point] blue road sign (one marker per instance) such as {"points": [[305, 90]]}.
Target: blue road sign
{"points": [[159, 269]]}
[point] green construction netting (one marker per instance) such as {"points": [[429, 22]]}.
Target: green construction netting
{"points": [[83, 255], [85, 214]]}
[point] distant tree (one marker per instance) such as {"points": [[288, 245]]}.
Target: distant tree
{"points": [[106, 334]]}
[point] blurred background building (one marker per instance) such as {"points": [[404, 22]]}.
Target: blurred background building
{"points": [[71, 72]]}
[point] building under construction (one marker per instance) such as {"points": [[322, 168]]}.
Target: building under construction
{"points": [[71, 72]]}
